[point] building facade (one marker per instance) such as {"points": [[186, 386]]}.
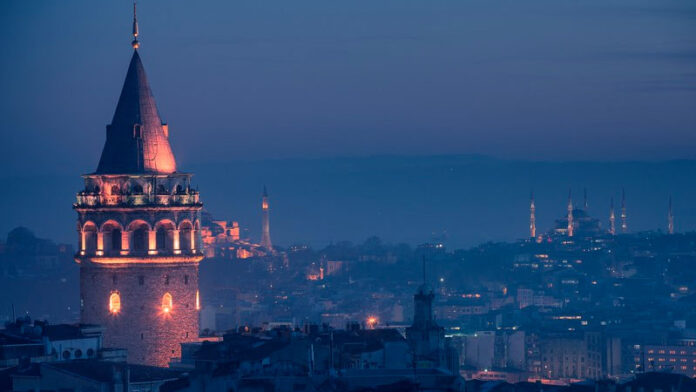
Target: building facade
{"points": [[138, 221]]}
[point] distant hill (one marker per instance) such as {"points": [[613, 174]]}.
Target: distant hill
{"points": [[463, 200]]}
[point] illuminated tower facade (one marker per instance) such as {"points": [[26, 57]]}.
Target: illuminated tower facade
{"points": [[624, 217], [265, 222], [612, 218], [532, 217], [571, 225], [138, 221], [670, 218]]}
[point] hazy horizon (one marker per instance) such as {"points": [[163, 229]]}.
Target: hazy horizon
{"points": [[465, 199]]}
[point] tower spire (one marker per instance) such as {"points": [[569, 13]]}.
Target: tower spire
{"points": [[570, 213], [612, 218], [532, 217], [624, 223], [670, 218], [135, 43]]}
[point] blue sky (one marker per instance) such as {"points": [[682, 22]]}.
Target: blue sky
{"points": [[540, 79]]}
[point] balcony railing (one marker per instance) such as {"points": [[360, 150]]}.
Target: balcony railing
{"points": [[97, 200]]}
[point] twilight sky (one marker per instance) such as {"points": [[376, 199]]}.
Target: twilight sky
{"points": [[541, 79]]}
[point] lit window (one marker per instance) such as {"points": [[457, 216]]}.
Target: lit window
{"points": [[167, 303], [114, 303], [198, 300]]}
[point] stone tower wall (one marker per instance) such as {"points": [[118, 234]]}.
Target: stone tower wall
{"points": [[151, 336]]}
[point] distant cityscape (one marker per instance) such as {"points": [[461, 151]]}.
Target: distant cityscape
{"points": [[573, 302]]}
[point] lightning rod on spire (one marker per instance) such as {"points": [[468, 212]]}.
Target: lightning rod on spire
{"points": [[135, 43]]}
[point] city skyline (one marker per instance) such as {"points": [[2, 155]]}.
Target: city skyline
{"points": [[535, 231]]}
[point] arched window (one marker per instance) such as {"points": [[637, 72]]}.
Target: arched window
{"points": [[114, 190], [167, 303], [112, 237], [165, 236], [90, 238], [140, 236], [138, 189], [185, 235], [114, 303], [78, 353], [161, 238]]}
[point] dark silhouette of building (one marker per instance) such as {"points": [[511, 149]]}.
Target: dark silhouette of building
{"points": [[139, 227], [425, 338]]}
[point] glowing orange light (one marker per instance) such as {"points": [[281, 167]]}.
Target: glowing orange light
{"points": [[114, 303], [372, 321], [198, 300], [167, 303]]}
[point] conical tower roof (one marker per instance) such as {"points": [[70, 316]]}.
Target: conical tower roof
{"points": [[136, 140]]}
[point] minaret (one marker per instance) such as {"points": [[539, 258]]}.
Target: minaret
{"points": [[585, 205], [570, 214], [532, 217], [624, 223], [139, 233], [612, 218], [265, 222], [670, 218]]}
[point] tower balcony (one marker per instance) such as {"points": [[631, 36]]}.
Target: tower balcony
{"points": [[85, 199]]}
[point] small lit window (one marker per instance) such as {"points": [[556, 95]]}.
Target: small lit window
{"points": [[167, 303], [198, 300], [114, 303]]}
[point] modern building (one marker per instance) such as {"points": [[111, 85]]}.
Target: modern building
{"points": [[138, 220]]}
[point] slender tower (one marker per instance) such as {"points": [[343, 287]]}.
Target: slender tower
{"points": [[532, 217], [670, 218], [265, 222], [585, 205], [624, 223], [138, 222], [570, 214], [612, 218]]}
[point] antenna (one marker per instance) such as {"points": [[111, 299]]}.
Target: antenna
{"points": [[135, 42]]}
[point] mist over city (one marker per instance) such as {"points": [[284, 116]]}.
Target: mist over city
{"points": [[341, 197]]}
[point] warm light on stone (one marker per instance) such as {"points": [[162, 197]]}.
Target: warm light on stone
{"points": [[114, 303], [167, 303]]}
